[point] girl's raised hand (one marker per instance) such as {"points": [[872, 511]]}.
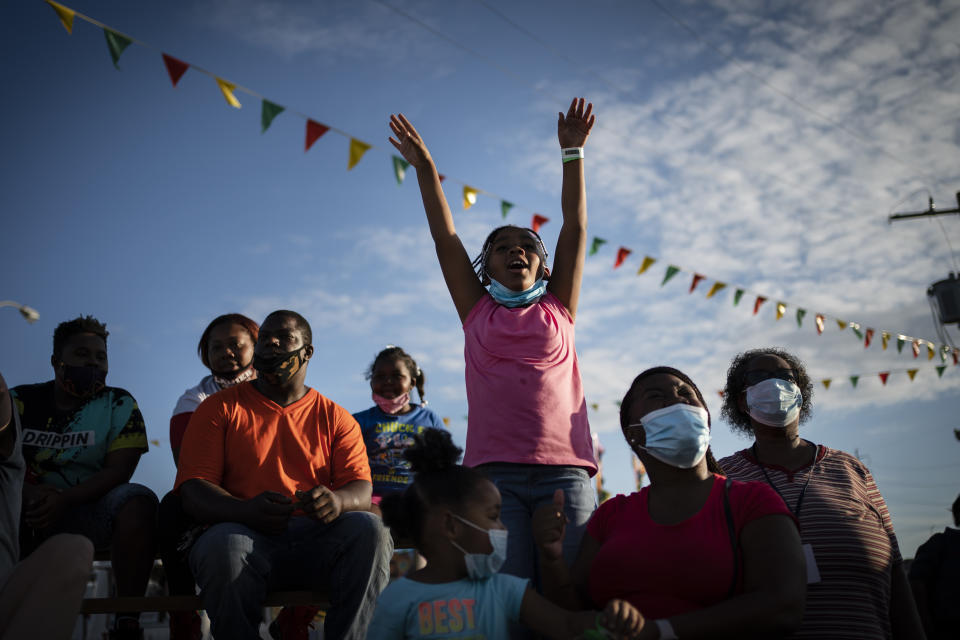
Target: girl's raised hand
{"points": [[408, 142], [622, 619], [574, 128]]}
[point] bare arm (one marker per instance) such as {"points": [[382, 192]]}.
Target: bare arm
{"points": [[7, 435], [326, 505], [562, 585], [904, 617], [572, 131], [462, 281], [209, 503], [619, 618]]}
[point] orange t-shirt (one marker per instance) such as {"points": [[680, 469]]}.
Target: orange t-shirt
{"points": [[242, 441]]}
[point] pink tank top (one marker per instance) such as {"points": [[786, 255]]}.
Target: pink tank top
{"points": [[524, 390]]}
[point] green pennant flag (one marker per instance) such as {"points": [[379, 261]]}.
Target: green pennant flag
{"points": [[399, 168], [505, 207], [116, 43], [671, 271], [940, 370], [856, 330], [736, 296], [800, 314], [268, 111], [900, 344], [596, 244], [854, 380]]}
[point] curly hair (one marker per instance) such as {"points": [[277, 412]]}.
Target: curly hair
{"points": [[739, 420], [480, 262], [70, 328], [228, 318], [627, 401], [395, 353]]}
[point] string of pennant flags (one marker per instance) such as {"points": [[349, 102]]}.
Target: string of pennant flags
{"points": [[118, 42]]}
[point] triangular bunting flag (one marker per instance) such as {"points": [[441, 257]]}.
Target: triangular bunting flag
{"points": [[175, 68], [944, 350], [800, 314], [854, 380], [268, 111], [504, 208], [856, 330], [781, 309], [446, 421], [826, 382], [842, 324], [314, 131], [399, 168], [155, 443], [720, 393], [915, 345], [647, 262], [883, 377], [900, 341], [538, 221], [912, 373], [717, 286], [696, 280], [595, 406], [357, 149], [819, 323], [884, 339], [736, 296], [940, 369], [65, 15], [930, 351], [671, 271], [596, 244], [227, 88], [622, 254], [470, 197], [956, 356], [756, 305], [116, 42], [442, 177], [868, 339]]}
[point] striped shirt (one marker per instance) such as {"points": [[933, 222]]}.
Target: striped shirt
{"points": [[845, 519]]}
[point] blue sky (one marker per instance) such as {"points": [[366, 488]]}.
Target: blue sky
{"points": [[766, 152]]}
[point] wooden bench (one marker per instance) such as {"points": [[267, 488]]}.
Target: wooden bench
{"points": [[192, 603]]}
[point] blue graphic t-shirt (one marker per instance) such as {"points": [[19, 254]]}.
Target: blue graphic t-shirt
{"points": [[474, 609], [386, 436], [64, 449]]}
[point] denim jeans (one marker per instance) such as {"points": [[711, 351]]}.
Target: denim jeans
{"points": [[523, 488], [349, 558]]}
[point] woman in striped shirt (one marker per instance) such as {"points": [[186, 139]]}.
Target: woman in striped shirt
{"points": [[856, 586]]}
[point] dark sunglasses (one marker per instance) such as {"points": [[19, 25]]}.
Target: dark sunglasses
{"points": [[751, 378]]}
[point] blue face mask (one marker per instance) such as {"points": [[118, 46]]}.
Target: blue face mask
{"points": [[510, 298], [677, 435]]}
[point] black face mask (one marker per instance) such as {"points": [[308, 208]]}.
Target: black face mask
{"points": [[280, 368], [83, 382]]}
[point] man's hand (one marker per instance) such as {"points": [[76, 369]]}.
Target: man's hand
{"points": [[44, 504], [408, 142], [321, 503], [622, 619], [549, 525], [268, 512], [574, 129]]}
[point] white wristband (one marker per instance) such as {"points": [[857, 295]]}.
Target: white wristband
{"points": [[571, 153], [666, 629]]}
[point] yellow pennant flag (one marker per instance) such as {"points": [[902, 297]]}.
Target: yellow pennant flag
{"points": [[357, 149], [884, 338], [446, 421], [930, 351], [826, 382], [912, 373], [841, 324], [647, 262], [469, 197], [716, 287], [227, 89], [781, 308], [65, 15]]}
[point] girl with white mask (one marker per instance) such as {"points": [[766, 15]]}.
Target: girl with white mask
{"points": [[857, 587], [451, 514], [699, 555]]}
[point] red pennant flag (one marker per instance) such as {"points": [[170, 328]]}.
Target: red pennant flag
{"points": [[819, 323], [756, 305], [956, 353], [622, 254], [537, 221], [696, 280], [883, 377], [176, 68], [867, 339], [442, 177], [720, 393], [314, 131], [916, 348]]}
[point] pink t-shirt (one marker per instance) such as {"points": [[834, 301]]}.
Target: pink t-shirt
{"points": [[666, 570], [523, 386]]}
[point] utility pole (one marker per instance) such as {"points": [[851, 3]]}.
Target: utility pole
{"points": [[925, 214]]}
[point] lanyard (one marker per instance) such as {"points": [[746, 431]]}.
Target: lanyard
{"points": [[803, 491]]}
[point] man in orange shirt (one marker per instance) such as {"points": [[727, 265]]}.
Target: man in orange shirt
{"points": [[281, 475]]}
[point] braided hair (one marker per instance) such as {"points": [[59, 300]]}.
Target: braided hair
{"points": [[392, 353], [480, 262]]}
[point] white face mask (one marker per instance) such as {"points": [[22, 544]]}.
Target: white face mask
{"points": [[484, 565], [677, 435], [774, 402]]}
